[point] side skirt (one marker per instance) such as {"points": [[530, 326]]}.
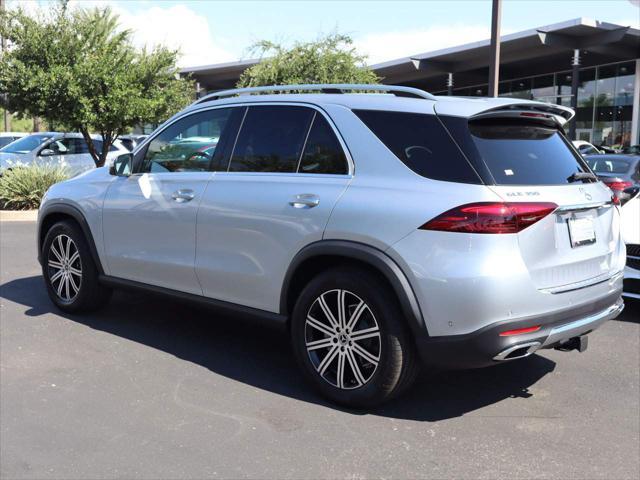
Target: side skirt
{"points": [[262, 317]]}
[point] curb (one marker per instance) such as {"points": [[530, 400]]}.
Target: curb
{"points": [[18, 215]]}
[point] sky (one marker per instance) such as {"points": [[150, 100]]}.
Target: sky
{"points": [[209, 32]]}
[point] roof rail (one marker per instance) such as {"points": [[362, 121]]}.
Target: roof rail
{"points": [[323, 88]]}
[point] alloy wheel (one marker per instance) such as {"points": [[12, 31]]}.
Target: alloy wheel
{"points": [[65, 268], [342, 339]]}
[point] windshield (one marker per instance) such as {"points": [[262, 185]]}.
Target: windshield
{"points": [[608, 165], [26, 144]]}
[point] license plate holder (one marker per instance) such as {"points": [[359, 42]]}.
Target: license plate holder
{"points": [[581, 231]]}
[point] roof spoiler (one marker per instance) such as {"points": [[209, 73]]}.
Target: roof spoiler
{"points": [[555, 115]]}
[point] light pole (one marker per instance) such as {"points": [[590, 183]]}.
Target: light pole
{"points": [[494, 62]]}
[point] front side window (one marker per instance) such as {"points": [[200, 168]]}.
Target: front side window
{"points": [[187, 145], [271, 139], [322, 152]]}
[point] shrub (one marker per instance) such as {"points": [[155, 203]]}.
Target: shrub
{"points": [[22, 188]]}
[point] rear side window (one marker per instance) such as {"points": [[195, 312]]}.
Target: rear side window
{"points": [[421, 143], [322, 152], [271, 139], [515, 152]]}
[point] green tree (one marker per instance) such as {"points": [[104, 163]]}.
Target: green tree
{"points": [[331, 59], [77, 68]]}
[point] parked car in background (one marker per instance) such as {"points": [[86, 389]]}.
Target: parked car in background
{"points": [[66, 149], [7, 137], [376, 229], [631, 234], [618, 171], [586, 148]]}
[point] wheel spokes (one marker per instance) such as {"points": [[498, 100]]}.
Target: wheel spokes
{"points": [[327, 311], [333, 342], [65, 267]]}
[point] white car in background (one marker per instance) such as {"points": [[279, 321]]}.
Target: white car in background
{"points": [[586, 148], [630, 219], [7, 137], [66, 149]]}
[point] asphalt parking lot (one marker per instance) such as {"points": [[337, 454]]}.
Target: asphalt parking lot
{"points": [[151, 388]]}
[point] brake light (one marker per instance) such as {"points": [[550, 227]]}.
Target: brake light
{"points": [[520, 331], [491, 217], [534, 115], [619, 185]]}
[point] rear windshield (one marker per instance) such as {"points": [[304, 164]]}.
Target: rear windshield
{"points": [[608, 165], [517, 153], [421, 143]]}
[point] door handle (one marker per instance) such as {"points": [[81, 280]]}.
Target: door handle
{"points": [[183, 195], [305, 200]]}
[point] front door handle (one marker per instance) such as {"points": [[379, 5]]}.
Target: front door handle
{"points": [[183, 195], [305, 200]]}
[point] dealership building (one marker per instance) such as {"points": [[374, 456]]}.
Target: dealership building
{"points": [[538, 64]]}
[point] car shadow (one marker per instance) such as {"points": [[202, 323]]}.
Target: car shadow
{"points": [[261, 356]]}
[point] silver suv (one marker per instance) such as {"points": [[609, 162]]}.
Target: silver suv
{"points": [[381, 226]]}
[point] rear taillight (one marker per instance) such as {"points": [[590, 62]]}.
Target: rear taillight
{"points": [[619, 185], [491, 217]]}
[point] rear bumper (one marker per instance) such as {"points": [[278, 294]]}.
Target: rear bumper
{"points": [[485, 347]]}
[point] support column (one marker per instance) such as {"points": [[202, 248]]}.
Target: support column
{"points": [[450, 84], [575, 81], [494, 62], [635, 116]]}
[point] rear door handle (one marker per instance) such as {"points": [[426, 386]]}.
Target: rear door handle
{"points": [[183, 195], [305, 200]]}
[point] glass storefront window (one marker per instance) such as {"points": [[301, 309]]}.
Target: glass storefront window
{"points": [[543, 88], [614, 104]]}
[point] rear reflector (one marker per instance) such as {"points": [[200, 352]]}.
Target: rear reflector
{"points": [[520, 331], [491, 217]]}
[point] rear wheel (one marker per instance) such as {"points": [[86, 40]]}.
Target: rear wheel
{"points": [[69, 270], [350, 339]]}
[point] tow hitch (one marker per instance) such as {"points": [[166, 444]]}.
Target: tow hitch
{"points": [[576, 343]]}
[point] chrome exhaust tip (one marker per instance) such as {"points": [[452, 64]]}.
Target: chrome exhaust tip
{"points": [[519, 350]]}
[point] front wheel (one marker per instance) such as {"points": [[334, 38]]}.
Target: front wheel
{"points": [[69, 270], [350, 339]]}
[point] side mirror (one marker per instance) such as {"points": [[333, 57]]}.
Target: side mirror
{"points": [[629, 194], [122, 166], [46, 152]]}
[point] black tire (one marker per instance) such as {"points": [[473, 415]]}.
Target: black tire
{"points": [[397, 364], [90, 294]]}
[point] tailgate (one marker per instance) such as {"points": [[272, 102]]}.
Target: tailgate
{"points": [[577, 244]]}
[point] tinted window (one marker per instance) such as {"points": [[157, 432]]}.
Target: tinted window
{"points": [[271, 139], [26, 144], [322, 152], [609, 165], [421, 143], [524, 153], [188, 144]]}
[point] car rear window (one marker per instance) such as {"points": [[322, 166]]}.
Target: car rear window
{"points": [[608, 165], [517, 152], [421, 143]]}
